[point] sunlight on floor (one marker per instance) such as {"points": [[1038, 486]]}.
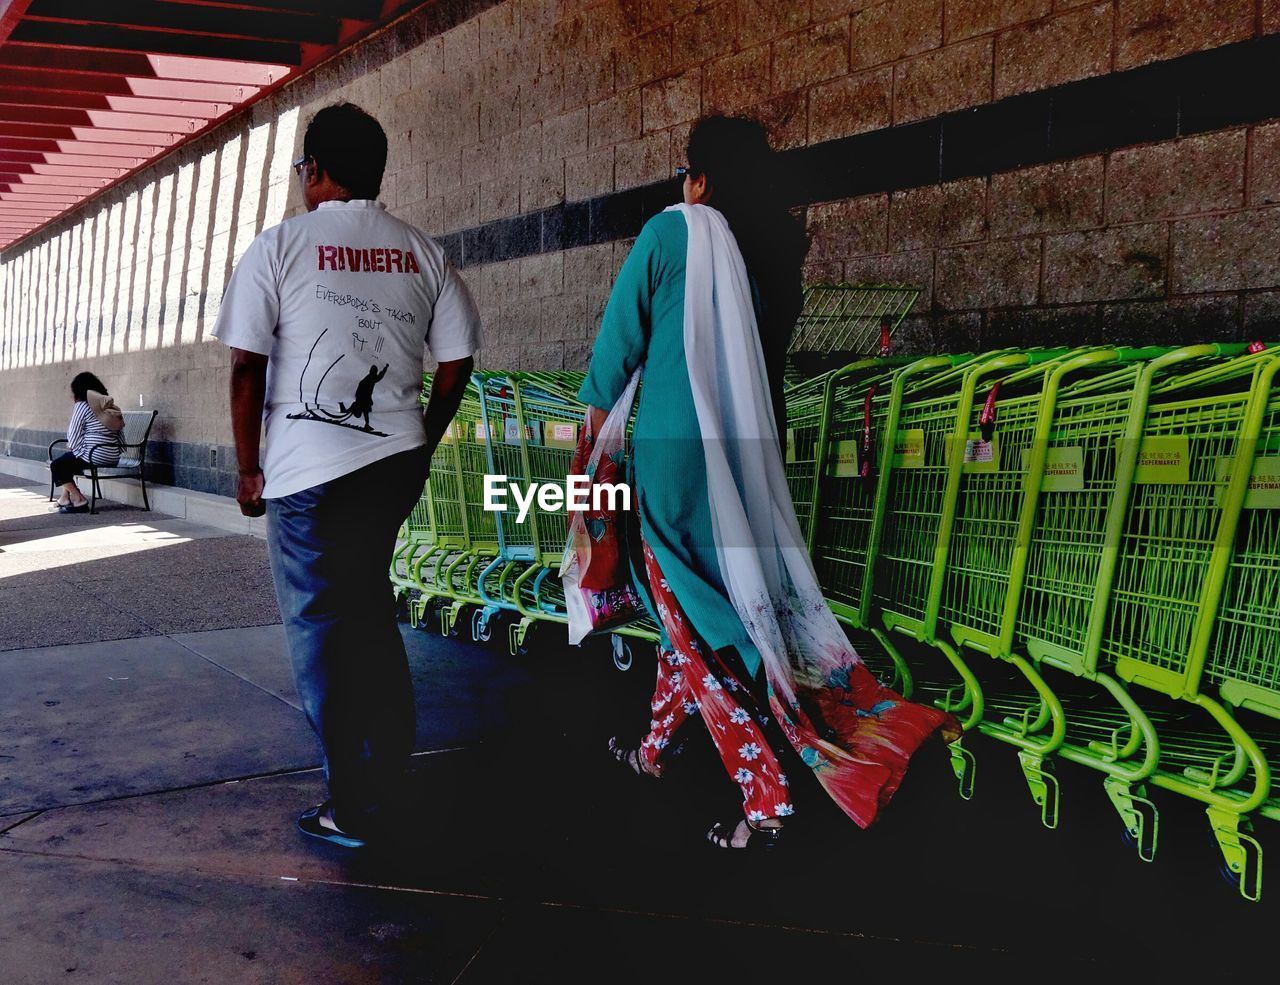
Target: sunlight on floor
{"points": [[30, 539]]}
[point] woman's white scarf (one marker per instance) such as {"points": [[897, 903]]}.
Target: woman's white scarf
{"points": [[763, 560]]}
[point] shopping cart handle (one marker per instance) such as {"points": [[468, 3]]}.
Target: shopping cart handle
{"points": [[1240, 348], [1036, 356], [1137, 354]]}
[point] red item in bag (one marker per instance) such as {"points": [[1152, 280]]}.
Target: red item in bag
{"points": [[602, 552], [596, 571]]}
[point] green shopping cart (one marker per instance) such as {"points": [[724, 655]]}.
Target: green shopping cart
{"points": [[849, 459], [1195, 458], [1244, 654]]}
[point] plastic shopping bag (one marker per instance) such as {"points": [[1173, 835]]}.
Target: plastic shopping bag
{"points": [[596, 572]]}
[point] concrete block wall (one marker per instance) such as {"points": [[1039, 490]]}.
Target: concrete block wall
{"points": [[534, 136]]}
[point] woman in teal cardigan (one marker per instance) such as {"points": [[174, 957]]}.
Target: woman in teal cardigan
{"points": [[708, 663]]}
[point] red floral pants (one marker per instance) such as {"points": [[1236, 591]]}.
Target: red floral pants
{"points": [[693, 679]]}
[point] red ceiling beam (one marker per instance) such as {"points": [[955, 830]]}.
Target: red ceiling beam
{"points": [[58, 170], [91, 90], [184, 108], [188, 19], [70, 152], [51, 180], [98, 119], [17, 215], [43, 80], [137, 65], [123, 39], [12, 193], [11, 12], [153, 140], [365, 10]]}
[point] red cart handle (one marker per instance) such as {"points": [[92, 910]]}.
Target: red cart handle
{"points": [[885, 342], [987, 419], [1255, 347], [866, 444]]}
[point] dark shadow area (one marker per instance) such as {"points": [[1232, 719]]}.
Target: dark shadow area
{"points": [[540, 815]]}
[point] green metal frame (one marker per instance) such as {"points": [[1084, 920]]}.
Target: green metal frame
{"points": [[1166, 585], [850, 317], [844, 525]]}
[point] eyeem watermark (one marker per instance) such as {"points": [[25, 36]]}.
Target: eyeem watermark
{"points": [[577, 495]]}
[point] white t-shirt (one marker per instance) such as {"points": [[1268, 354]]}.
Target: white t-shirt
{"points": [[341, 300]]}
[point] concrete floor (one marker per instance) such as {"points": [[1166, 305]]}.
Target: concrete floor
{"points": [[148, 787], [120, 574]]}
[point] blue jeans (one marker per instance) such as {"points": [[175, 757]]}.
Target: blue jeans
{"points": [[330, 547]]}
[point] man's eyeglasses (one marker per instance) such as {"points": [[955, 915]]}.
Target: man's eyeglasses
{"points": [[299, 164], [683, 172]]}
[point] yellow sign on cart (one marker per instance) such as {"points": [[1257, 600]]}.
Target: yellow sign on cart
{"points": [[1164, 459], [557, 434], [1063, 468], [1264, 482], [844, 460], [908, 449]]}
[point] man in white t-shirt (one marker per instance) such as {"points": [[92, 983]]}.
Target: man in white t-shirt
{"points": [[326, 316]]}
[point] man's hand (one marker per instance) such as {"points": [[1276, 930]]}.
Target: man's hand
{"points": [[248, 391], [249, 494]]}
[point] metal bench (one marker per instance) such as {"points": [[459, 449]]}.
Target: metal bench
{"points": [[133, 457]]}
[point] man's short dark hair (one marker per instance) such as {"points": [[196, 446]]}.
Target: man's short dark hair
{"points": [[350, 146]]}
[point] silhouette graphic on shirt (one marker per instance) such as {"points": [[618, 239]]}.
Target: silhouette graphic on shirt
{"points": [[361, 405]]}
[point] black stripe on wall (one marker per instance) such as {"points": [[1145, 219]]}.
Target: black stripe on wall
{"points": [[1228, 86]]}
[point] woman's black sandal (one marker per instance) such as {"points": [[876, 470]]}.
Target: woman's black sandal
{"points": [[629, 757], [721, 835]]}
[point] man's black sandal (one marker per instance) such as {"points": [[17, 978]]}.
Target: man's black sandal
{"points": [[313, 824]]}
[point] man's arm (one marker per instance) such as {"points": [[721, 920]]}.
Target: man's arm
{"points": [[448, 384], [248, 392]]}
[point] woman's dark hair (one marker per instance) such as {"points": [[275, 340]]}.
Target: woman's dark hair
{"points": [[742, 172], [349, 146], [83, 383]]}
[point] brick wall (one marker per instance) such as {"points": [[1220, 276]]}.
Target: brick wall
{"points": [[530, 116]]}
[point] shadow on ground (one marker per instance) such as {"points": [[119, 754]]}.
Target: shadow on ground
{"points": [[531, 856]]}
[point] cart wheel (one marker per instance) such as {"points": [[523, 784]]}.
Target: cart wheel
{"points": [[622, 656], [484, 632]]}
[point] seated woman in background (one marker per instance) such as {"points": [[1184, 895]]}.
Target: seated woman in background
{"points": [[705, 303], [88, 441]]}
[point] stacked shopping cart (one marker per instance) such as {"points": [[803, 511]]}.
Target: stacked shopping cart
{"points": [[1074, 551], [1077, 552]]}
